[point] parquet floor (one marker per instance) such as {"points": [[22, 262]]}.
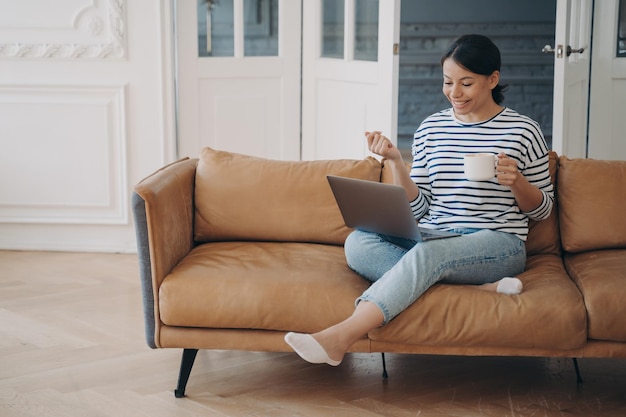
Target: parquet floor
{"points": [[71, 344]]}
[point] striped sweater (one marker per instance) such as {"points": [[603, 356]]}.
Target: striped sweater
{"points": [[447, 200]]}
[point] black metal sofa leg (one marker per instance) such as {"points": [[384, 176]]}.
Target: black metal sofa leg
{"points": [[385, 374], [186, 363], [579, 378]]}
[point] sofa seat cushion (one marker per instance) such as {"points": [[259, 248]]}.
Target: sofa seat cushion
{"points": [[549, 314], [260, 285], [240, 197], [601, 278]]}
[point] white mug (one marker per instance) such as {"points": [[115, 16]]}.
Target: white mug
{"points": [[480, 166]]}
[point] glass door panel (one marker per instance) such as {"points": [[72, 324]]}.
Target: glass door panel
{"points": [[333, 28], [366, 30], [236, 28], [216, 28], [260, 27]]}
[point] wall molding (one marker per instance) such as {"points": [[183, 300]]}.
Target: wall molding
{"points": [[97, 32], [60, 183]]}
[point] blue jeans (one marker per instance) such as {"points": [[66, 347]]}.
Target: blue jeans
{"points": [[402, 270]]}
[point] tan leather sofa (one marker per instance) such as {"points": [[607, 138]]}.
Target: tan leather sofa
{"points": [[235, 251]]}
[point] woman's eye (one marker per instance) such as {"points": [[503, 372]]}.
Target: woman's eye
{"points": [[467, 85]]}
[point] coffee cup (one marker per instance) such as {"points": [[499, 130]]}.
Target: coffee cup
{"points": [[480, 166]]}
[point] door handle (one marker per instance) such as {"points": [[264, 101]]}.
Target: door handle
{"points": [[549, 50], [559, 50], [574, 51]]}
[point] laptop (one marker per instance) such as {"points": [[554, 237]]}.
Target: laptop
{"points": [[380, 208]]}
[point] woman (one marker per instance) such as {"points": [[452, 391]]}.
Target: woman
{"points": [[491, 216]]}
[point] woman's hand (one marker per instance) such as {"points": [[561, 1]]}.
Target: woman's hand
{"points": [[528, 196], [382, 146], [506, 169]]}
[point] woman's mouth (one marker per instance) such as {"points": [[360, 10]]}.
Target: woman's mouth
{"points": [[457, 104]]}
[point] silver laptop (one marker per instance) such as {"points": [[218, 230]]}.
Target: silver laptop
{"points": [[380, 208]]}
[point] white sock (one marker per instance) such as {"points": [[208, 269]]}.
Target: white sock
{"points": [[510, 286], [308, 348]]}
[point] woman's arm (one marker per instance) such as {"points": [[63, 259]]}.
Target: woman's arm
{"points": [[382, 146]]}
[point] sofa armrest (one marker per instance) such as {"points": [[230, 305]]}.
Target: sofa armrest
{"points": [[163, 208]]}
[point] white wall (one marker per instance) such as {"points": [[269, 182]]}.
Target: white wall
{"points": [[85, 113]]}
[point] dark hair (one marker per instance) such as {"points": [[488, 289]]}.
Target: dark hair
{"points": [[478, 54]]}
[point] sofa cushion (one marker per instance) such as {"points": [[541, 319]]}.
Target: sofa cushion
{"points": [[239, 197], [592, 196], [301, 287], [549, 314], [601, 278]]}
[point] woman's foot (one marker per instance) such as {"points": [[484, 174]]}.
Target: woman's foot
{"points": [[507, 285], [309, 349], [331, 344], [510, 286]]}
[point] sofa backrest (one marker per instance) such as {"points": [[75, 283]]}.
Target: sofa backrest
{"points": [[592, 199], [543, 236], [239, 197]]}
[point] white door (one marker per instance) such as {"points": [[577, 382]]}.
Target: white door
{"points": [[607, 123], [571, 76], [350, 75], [230, 97]]}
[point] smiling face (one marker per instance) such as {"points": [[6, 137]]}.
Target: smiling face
{"points": [[470, 93]]}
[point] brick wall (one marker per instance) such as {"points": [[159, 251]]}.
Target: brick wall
{"points": [[529, 73]]}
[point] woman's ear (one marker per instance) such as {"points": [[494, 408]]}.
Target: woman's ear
{"points": [[494, 79]]}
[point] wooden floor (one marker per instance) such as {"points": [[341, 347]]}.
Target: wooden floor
{"points": [[72, 344]]}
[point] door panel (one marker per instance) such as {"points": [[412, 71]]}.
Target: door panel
{"points": [[608, 83], [571, 76], [241, 122], [235, 92], [347, 89]]}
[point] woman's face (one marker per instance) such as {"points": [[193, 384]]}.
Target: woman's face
{"points": [[469, 93]]}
